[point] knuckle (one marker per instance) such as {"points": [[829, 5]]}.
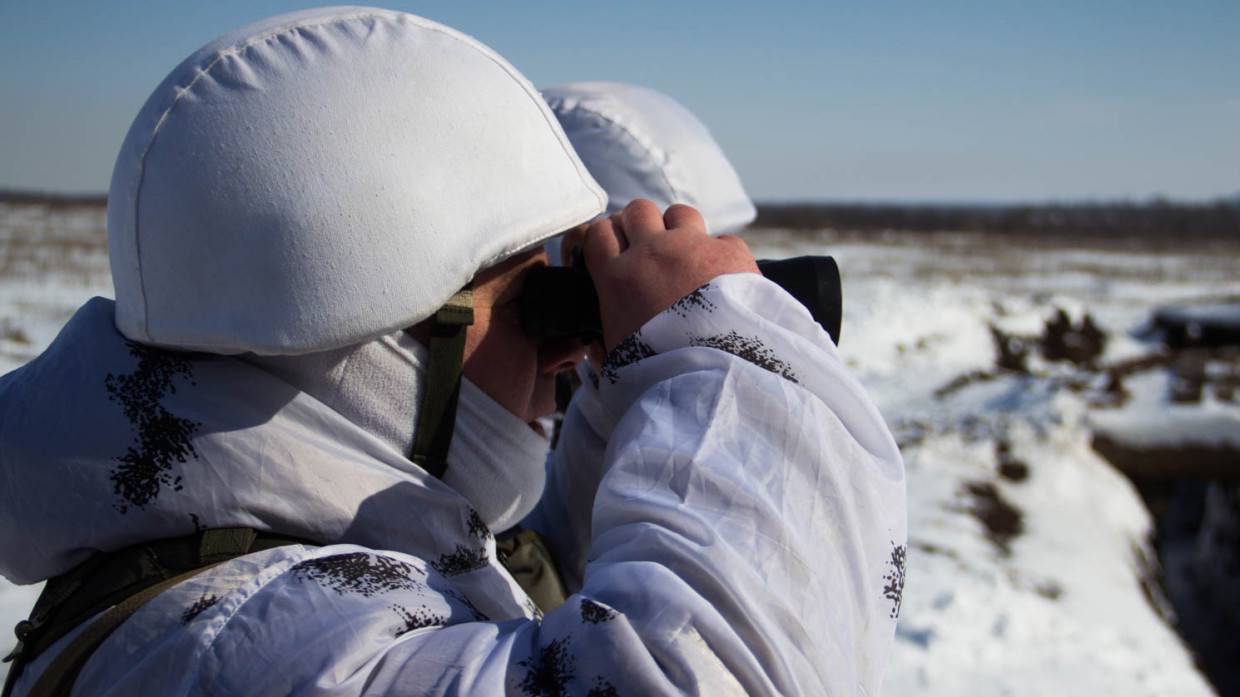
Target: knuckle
{"points": [[737, 243], [597, 228]]}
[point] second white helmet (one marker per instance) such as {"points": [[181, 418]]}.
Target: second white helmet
{"points": [[640, 143]]}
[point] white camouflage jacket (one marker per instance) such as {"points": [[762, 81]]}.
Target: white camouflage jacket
{"points": [[727, 504]]}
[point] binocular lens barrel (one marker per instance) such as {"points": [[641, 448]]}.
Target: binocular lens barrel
{"points": [[560, 302]]}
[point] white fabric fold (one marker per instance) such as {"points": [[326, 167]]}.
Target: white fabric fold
{"points": [[746, 527], [495, 461], [105, 443]]}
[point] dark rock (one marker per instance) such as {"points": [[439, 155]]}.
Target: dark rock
{"points": [[1062, 340], [1002, 521], [1199, 324]]}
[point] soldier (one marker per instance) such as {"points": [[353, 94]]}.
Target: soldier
{"points": [[259, 471]]}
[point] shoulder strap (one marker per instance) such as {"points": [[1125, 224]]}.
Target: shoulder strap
{"points": [[58, 678], [437, 414], [119, 583]]}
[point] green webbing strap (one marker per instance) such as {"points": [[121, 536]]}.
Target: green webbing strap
{"points": [[58, 678], [116, 584], [222, 544], [437, 414]]}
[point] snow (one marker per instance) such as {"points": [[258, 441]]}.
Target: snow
{"points": [[15, 604], [1028, 553], [1148, 421], [1064, 610], [1058, 605], [51, 261]]}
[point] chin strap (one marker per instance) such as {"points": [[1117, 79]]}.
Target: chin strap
{"points": [[437, 415]]}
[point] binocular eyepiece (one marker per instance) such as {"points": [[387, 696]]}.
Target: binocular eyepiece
{"points": [[560, 302]]}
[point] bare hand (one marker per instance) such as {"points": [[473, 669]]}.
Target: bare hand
{"points": [[643, 261]]}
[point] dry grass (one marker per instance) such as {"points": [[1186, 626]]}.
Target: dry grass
{"points": [[38, 241]]}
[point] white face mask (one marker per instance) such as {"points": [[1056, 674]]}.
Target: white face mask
{"points": [[496, 460]]}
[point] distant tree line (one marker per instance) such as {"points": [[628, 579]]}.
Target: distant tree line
{"points": [[1220, 219], [53, 200]]}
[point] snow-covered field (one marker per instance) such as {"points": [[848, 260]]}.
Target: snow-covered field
{"points": [[1029, 564], [1028, 553]]}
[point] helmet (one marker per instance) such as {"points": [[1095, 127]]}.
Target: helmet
{"points": [[325, 177], [639, 143]]}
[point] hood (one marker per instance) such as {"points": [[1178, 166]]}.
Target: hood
{"points": [[105, 442]]}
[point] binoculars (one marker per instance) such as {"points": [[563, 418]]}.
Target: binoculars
{"points": [[560, 302]]}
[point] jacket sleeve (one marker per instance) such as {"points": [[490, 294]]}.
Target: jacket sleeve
{"points": [[746, 538], [730, 478]]}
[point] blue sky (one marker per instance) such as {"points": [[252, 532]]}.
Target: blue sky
{"points": [[985, 101]]}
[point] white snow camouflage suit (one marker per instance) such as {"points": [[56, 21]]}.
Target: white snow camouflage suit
{"points": [[727, 504]]}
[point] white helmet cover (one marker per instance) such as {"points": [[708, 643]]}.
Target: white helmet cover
{"points": [[640, 143], [324, 177]]}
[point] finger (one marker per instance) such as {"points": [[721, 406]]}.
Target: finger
{"points": [[735, 241], [682, 218], [641, 219], [573, 239], [618, 226], [602, 243], [740, 251]]}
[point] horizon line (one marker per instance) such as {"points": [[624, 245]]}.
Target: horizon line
{"points": [[20, 195]]}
